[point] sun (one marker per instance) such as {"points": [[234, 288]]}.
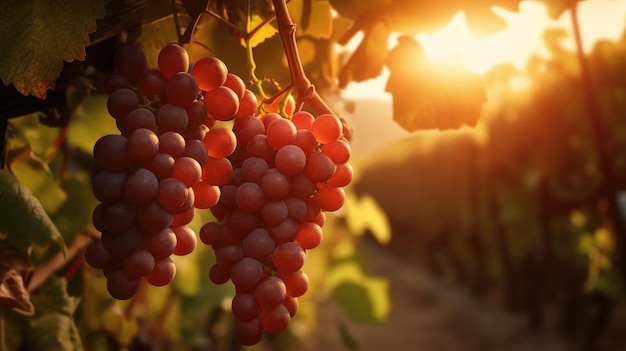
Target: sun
{"points": [[521, 39]]}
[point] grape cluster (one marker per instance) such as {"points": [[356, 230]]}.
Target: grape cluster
{"points": [[287, 173], [268, 180]]}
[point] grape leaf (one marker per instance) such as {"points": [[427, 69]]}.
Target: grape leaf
{"points": [[431, 96], [15, 272], [369, 58], [37, 36], [313, 18], [363, 213], [24, 222]]}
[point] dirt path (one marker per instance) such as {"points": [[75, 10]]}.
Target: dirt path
{"points": [[429, 315]]}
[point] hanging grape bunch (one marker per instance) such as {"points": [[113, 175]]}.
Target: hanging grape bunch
{"points": [[268, 180]]}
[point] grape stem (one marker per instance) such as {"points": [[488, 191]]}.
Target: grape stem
{"points": [[305, 91]]}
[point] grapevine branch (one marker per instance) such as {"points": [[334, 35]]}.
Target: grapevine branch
{"points": [[305, 91]]}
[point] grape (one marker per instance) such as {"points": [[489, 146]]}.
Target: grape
{"points": [[210, 73], [301, 186], [244, 306], [342, 176], [108, 186], [218, 275], [288, 257], [258, 244], [152, 84], [309, 235], [220, 142], [274, 184], [184, 217], [120, 245], [296, 209], [141, 187], [143, 144], [327, 128], [163, 272], [270, 292], [221, 103], [338, 151], [172, 143], [236, 84], [253, 168], [153, 217], [207, 195], [210, 233], [227, 255], [258, 147], [160, 244], [241, 222], [139, 118], [302, 120], [182, 89], [121, 102], [196, 114], [217, 171], [250, 332], [291, 303], [118, 216], [121, 285], [246, 128], [319, 167], [97, 255], [172, 59], [276, 319], [268, 118], [196, 150], [110, 153], [246, 274], [130, 62], [172, 194], [172, 118], [290, 160], [187, 170], [274, 212], [281, 132], [247, 105], [186, 240], [297, 283], [285, 231], [249, 196], [139, 263], [306, 141], [114, 82], [330, 198], [161, 165]]}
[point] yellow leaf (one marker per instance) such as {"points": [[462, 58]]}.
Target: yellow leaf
{"points": [[365, 214]]}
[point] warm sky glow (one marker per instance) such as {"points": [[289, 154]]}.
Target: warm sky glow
{"points": [[521, 39]]}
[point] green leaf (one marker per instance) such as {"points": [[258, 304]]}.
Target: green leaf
{"points": [[36, 36], [431, 95], [157, 34], [312, 17], [90, 121], [365, 299], [24, 222], [363, 213]]}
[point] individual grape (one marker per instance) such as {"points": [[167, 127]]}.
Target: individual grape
{"points": [[220, 142], [152, 84], [274, 212], [246, 274], [172, 59], [108, 186], [121, 102], [241, 222], [309, 235], [290, 160], [187, 170], [258, 147], [218, 275], [121, 285], [139, 263], [281, 132], [139, 118], [163, 272], [228, 195], [302, 120], [210, 73], [160, 244], [268, 118], [245, 307], [184, 217], [130, 62], [297, 283], [330, 198], [249, 196], [118, 216], [236, 84], [338, 151], [172, 194], [210, 233], [296, 209], [302, 187], [217, 171], [276, 319], [288, 257], [120, 245], [97, 218], [143, 144], [186, 240], [196, 150], [114, 82], [270, 292], [285, 231], [306, 141], [247, 105], [319, 167], [141, 187], [275, 185], [153, 217], [207, 195], [182, 89], [327, 128], [110, 153], [258, 244], [342, 176], [246, 128], [97, 256], [314, 213], [221, 103], [161, 165], [172, 143], [227, 255], [249, 332], [253, 168], [172, 118], [291, 303], [196, 114], [195, 132]]}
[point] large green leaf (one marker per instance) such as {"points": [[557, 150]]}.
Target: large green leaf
{"points": [[24, 222], [36, 36]]}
